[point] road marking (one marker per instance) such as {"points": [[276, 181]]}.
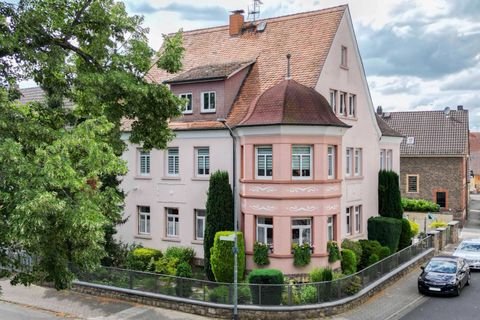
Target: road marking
{"points": [[407, 306]]}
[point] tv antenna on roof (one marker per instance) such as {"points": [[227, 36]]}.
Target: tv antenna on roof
{"points": [[254, 13]]}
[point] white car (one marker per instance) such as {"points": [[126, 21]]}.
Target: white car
{"points": [[470, 251]]}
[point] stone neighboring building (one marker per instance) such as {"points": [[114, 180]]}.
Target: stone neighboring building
{"points": [[475, 162], [434, 156]]}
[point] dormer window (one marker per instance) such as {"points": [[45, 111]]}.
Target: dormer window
{"points": [[208, 101], [187, 108], [344, 61]]}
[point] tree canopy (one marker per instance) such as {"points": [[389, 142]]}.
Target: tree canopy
{"points": [[56, 163]]}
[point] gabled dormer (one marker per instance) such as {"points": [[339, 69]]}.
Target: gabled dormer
{"points": [[209, 90]]}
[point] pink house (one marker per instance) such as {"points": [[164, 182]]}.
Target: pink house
{"points": [[309, 143]]}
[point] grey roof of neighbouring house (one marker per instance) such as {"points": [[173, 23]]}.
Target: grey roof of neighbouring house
{"points": [[36, 94], [386, 129], [433, 132]]}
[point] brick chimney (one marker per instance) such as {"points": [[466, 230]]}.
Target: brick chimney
{"points": [[236, 22]]}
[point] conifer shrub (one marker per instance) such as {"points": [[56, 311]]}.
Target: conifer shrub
{"points": [[389, 197], [406, 235], [222, 258], [348, 262], [385, 230]]}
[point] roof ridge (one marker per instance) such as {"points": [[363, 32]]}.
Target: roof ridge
{"points": [[271, 19]]}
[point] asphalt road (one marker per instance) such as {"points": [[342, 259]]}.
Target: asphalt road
{"points": [[18, 312]]}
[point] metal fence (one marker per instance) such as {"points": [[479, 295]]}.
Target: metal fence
{"points": [[255, 294], [16, 260]]}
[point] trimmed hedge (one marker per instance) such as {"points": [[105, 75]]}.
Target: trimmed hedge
{"points": [[355, 246], [419, 205], [385, 230], [389, 197], [268, 295], [406, 235], [349, 261], [140, 258], [222, 259]]}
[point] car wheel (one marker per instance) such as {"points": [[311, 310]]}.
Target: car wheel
{"points": [[458, 290], [468, 279]]}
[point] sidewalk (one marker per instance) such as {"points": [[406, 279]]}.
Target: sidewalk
{"points": [[72, 305]]}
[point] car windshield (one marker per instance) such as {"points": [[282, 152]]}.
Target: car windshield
{"points": [[473, 247], [441, 266]]}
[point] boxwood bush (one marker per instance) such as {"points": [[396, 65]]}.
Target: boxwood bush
{"points": [[268, 295], [221, 257], [419, 205], [369, 248], [348, 262], [385, 230], [355, 246]]}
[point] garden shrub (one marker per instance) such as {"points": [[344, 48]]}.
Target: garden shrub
{"points": [[389, 198], [415, 227], [321, 274], [220, 294], [385, 230], [349, 261], [438, 224], [355, 246], [333, 251], [139, 258], [352, 285], [369, 247], [383, 252], [222, 258], [406, 235], [269, 295], [183, 254], [167, 266], [374, 258], [309, 294], [419, 205], [301, 254], [184, 286], [260, 253]]}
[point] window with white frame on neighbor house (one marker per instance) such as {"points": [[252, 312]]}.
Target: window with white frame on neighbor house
{"points": [[358, 162], [173, 159], [352, 105], [172, 222], [265, 230], [264, 163], [188, 107], [358, 218], [199, 224], [301, 161], [382, 159], [348, 161], [333, 100], [202, 162], [412, 183], [330, 228], [348, 220], [302, 231], [143, 219], [208, 101], [144, 162], [331, 160], [343, 104], [344, 57], [389, 159]]}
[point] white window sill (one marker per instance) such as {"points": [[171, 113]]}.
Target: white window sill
{"points": [[201, 178], [208, 111], [142, 178], [171, 178], [171, 239], [263, 178], [197, 241], [143, 236], [187, 112]]}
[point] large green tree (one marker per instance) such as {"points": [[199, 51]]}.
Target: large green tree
{"points": [[219, 214], [58, 167]]}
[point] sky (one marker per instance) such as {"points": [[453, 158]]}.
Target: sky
{"points": [[417, 54]]}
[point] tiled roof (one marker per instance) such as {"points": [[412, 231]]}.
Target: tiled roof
{"points": [[475, 152], [433, 132], [210, 72], [306, 36], [36, 94], [386, 129], [290, 102]]}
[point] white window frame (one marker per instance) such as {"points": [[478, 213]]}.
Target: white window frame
{"points": [[358, 218], [189, 97], [265, 157], [389, 159], [348, 161], [333, 100], [199, 221], [352, 99], [302, 155], [173, 223], [144, 219], [344, 56], [331, 160], [173, 161], [143, 162], [348, 220], [261, 224], [343, 103], [301, 228], [209, 107], [417, 184], [202, 162], [382, 159], [330, 230], [357, 162]]}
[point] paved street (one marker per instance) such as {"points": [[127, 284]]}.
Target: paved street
{"points": [[12, 311]]}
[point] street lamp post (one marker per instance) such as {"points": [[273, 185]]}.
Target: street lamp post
{"points": [[235, 219]]}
